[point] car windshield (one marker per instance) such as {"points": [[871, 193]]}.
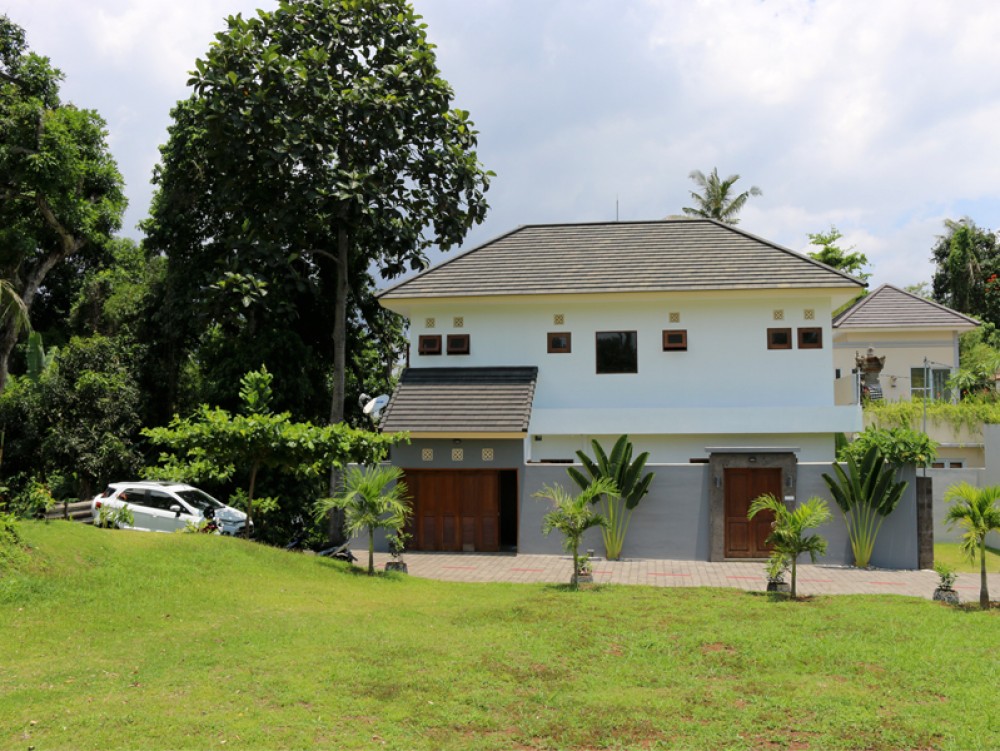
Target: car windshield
{"points": [[199, 499]]}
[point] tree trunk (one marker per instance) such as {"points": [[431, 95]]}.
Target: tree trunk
{"points": [[793, 593], [7, 341], [984, 589], [336, 525], [371, 551]]}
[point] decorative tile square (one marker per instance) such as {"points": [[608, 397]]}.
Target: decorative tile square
{"points": [[675, 317], [487, 455], [457, 455], [559, 319], [458, 322], [427, 455], [779, 315], [429, 323], [809, 314]]}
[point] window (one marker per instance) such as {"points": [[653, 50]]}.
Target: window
{"points": [[676, 340], [458, 344], [429, 344], [936, 389], [617, 352], [779, 338], [811, 338], [560, 342]]}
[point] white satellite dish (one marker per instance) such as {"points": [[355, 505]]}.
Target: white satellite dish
{"points": [[375, 406]]}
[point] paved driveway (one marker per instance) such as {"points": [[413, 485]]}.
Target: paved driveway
{"points": [[812, 580]]}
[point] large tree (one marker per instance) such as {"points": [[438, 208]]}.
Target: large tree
{"points": [[718, 199], [967, 277], [845, 259], [60, 190], [318, 143]]}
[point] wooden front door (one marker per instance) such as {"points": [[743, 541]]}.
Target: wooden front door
{"points": [[455, 509], [745, 537]]}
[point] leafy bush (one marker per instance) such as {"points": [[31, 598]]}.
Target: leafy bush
{"points": [[971, 413], [946, 573], [34, 500], [899, 446], [11, 542], [113, 518]]}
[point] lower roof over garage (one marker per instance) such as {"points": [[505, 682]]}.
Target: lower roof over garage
{"points": [[451, 401]]}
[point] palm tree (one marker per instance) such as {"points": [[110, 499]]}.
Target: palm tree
{"points": [[572, 516], [715, 200], [373, 498], [975, 509], [787, 536]]}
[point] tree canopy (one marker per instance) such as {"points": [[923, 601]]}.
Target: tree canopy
{"points": [[967, 277], [61, 190], [845, 259], [319, 143], [718, 199]]}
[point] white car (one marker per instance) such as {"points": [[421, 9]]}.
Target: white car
{"points": [[167, 507]]}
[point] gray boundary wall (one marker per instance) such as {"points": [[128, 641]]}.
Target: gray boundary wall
{"points": [[672, 522], [944, 479]]}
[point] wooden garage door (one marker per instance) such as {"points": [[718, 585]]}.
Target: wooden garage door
{"points": [[455, 510], [745, 538]]}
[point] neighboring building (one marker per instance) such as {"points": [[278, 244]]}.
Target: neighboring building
{"points": [[707, 345], [916, 343]]}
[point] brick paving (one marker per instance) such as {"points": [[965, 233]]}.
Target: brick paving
{"points": [[812, 579]]}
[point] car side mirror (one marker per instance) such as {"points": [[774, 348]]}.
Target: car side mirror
{"points": [[176, 509]]}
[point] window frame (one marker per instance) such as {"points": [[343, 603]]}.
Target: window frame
{"points": [[458, 344], [670, 347], [805, 330], [633, 335], [429, 344], [552, 349], [787, 331]]}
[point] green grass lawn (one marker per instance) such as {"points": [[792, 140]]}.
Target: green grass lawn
{"points": [[949, 553], [127, 640]]}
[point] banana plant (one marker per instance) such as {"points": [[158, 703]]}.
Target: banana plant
{"points": [[866, 493], [632, 485]]}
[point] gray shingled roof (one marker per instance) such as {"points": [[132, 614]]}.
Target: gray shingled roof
{"points": [[668, 255], [889, 307], [462, 400]]}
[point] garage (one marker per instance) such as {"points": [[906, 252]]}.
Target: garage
{"points": [[473, 510]]}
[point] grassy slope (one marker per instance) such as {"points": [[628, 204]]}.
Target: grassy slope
{"points": [[950, 553], [128, 640]]}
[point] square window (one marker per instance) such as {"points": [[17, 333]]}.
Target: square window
{"points": [[779, 338], [809, 314], [675, 317], [457, 455], [778, 315], [429, 323], [487, 455], [458, 322], [429, 344], [427, 455], [617, 352], [675, 340], [811, 338], [559, 319], [560, 342], [458, 344]]}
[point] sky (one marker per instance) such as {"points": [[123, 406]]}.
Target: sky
{"points": [[879, 118]]}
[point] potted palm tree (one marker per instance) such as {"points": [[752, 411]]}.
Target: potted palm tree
{"points": [[373, 498], [788, 536], [945, 591], [397, 545], [572, 516], [975, 509], [777, 567]]}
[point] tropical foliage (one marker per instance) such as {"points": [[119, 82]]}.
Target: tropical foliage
{"points": [[976, 510], [970, 413], [967, 261], [788, 536], [866, 492], [374, 497], [718, 199], [845, 259], [898, 446], [627, 476], [572, 515]]}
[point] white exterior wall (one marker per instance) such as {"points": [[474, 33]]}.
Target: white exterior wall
{"points": [[727, 383], [902, 350]]}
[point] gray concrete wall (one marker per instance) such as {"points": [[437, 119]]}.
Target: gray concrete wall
{"points": [[671, 522], [944, 479], [897, 543]]}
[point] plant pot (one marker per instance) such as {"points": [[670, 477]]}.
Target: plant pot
{"points": [[778, 586], [583, 579], [396, 566], [946, 595]]}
